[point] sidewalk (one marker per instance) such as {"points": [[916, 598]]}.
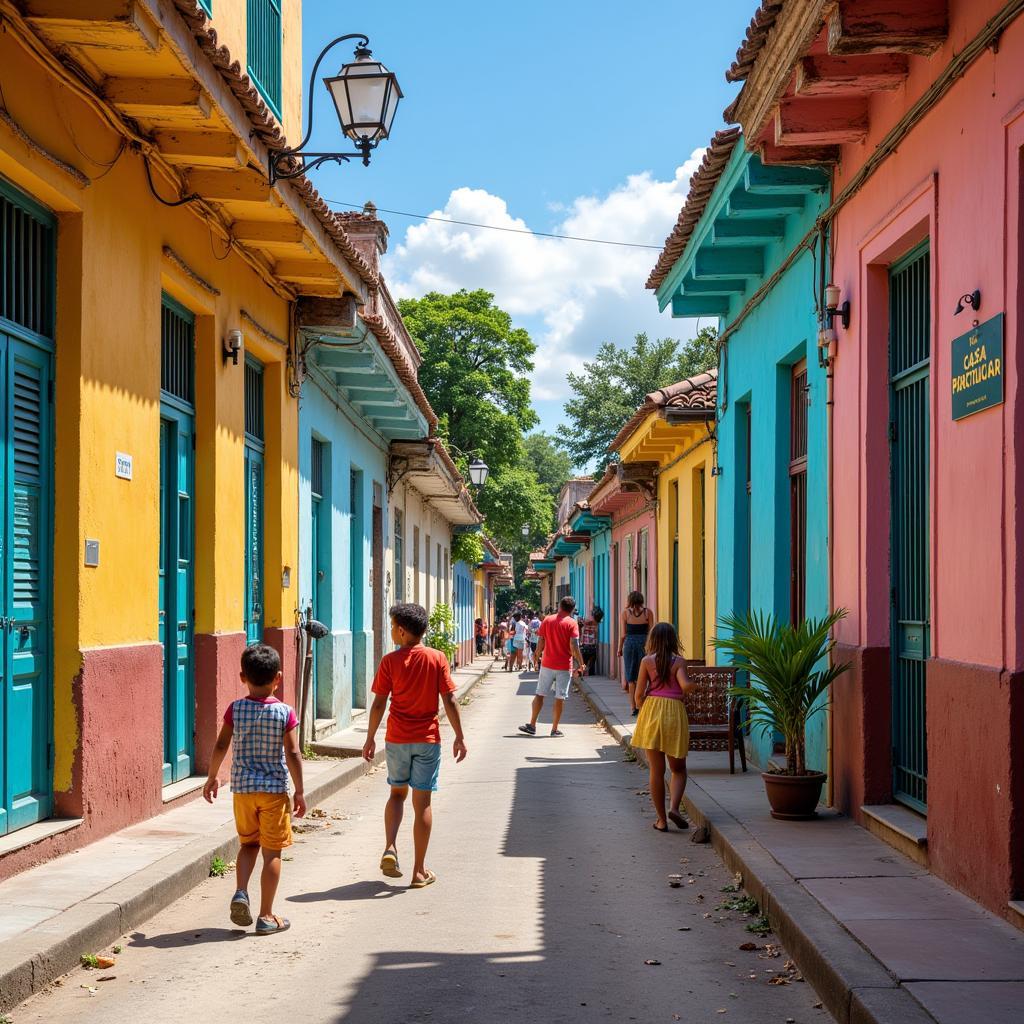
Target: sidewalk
{"points": [[881, 939], [83, 901]]}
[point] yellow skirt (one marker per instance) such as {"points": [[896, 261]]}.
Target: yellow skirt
{"points": [[662, 725]]}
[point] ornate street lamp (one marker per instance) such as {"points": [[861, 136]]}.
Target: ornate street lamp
{"points": [[526, 529], [478, 471], [365, 95]]}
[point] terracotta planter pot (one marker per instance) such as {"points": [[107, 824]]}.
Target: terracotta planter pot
{"points": [[793, 797]]}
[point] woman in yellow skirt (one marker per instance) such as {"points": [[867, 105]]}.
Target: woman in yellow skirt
{"points": [[662, 729]]}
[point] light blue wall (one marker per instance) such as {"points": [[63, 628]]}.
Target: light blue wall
{"points": [[345, 659], [462, 601], [756, 370], [600, 544]]}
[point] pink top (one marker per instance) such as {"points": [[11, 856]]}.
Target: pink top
{"points": [[669, 689]]}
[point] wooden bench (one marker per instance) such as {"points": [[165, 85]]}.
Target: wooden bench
{"points": [[716, 721]]}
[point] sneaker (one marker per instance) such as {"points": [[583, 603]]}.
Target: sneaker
{"points": [[530, 730], [240, 912], [557, 732]]}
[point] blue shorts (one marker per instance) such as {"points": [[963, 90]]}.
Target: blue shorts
{"points": [[414, 764]]}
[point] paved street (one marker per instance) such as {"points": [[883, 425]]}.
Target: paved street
{"points": [[552, 893]]}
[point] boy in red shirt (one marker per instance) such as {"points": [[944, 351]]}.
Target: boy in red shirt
{"points": [[414, 677]]}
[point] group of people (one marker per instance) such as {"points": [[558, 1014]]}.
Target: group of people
{"points": [[262, 733]]}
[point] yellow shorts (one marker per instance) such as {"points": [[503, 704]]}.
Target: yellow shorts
{"points": [[264, 819]]}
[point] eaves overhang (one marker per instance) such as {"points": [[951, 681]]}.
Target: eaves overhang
{"points": [[424, 465]]}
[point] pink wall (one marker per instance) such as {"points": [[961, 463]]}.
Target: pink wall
{"points": [[955, 179]]}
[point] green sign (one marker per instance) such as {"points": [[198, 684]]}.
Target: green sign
{"points": [[977, 368]]}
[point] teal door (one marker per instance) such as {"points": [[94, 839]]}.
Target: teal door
{"points": [[254, 492], [319, 555], [177, 531], [27, 234], [909, 364]]}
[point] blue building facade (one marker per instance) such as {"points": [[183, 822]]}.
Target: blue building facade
{"points": [[772, 443]]}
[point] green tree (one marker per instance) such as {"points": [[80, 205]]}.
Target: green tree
{"points": [[547, 457], [475, 372], [613, 386]]}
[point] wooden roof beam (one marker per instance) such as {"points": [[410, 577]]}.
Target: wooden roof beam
{"points": [[700, 305], [804, 156], [751, 204], [201, 149], [174, 101], [727, 286], [727, 264], [307, 271], [821, 122], [850, 76], [109, 24], [767, 181], [747, 231], [881, 26], [232, 187]]}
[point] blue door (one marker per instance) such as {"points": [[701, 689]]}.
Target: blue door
{"points": [[319, 555], [26, 502], [177, 532], [254, 492]]}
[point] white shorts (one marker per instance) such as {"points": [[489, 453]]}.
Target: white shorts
{"points": [[554, 678]]}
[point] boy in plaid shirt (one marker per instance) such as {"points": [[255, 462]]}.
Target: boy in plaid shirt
{"points": [[266, 741]]}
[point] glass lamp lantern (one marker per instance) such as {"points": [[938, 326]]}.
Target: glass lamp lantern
{"points": [[366, 96], [478, 471]]}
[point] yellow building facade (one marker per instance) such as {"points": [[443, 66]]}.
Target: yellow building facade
{"points": [[153, 278], [669, 444]]}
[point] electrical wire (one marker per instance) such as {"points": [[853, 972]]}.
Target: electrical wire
{"points": [[497, 227], [191, 198]]}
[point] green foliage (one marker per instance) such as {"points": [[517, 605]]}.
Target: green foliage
{"points": [[512, 497], [218, 867], [468, 548], [614, 385], [740, 904], [475, 372], [547, 457], [441, 631], [90, 961], [762, 926], [792, 668]]}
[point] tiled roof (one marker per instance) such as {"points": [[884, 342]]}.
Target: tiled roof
{"points": [[266, 128], [702, 184], [757, 33], [698, 392]]}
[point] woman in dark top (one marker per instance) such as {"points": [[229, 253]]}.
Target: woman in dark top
{"points": [[635, 623]]}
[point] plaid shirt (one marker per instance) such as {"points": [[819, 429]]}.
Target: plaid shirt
{"points": [[257, 761]]}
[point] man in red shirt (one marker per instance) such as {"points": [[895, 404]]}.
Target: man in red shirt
{"points": [[557, 649], [414, 677]]}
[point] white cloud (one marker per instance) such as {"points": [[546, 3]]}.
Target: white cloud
{"points": [[571, 295]]}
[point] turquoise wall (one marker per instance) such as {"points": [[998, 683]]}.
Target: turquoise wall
{"points": [[462, 601], [345, 658], [755, 372]]}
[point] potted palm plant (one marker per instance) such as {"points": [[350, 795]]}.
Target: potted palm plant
{"points": [[790, 667]]}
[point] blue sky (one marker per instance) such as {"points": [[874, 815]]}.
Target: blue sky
{"points": [[582, 118]]}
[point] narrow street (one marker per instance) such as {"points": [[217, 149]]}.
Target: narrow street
{"points": [[552, 893]]}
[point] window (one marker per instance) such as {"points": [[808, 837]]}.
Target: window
{"points": [[426, 573], [641, 558], [416, 564], [254, 494], [263, 50], [399, 570], [798, 493], [207, 5]]}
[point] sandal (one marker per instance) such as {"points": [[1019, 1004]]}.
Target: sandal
{"points": [[422, 883], [678, 820], [389, 863], [656, 829], [275, 924], [240, 912]]}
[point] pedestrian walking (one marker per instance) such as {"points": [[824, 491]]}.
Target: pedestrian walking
{"points": [[533, 638], [558, 649], [265, 736], [521, 628], [414, 677], [636, 622], [479, 634], [662, 729]]}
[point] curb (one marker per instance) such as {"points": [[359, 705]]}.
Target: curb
{"points": [[33, 960], [854, 987]]}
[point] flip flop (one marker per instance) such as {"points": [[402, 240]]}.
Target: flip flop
{"points": [[281, 924], [678, 820], [654, 825], [389, 864], [422, 883]]}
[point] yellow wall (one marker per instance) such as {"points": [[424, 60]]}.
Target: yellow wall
{"points": [[111, 271], [229, 19], [683, 474]]}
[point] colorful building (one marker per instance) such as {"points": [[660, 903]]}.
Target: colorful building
{"points": [[666, 450], [918, 112], [740, 221]]}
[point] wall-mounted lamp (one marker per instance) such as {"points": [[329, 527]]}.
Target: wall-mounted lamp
{"points": [[526, 529], [972, 299], [826, 339], [478, 471], [833, 309], [232, 346]]}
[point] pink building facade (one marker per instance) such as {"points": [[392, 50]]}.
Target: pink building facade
{"points": [[919, 110]]}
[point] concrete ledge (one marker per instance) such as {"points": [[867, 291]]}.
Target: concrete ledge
{"points": [[37, 833], [900, 828], [854, 986]]}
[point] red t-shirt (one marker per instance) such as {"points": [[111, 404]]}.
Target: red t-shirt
{"points": [[558, 631], [414, 678]]}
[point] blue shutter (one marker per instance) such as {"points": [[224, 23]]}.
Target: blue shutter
{"points": [[263, 50]]}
